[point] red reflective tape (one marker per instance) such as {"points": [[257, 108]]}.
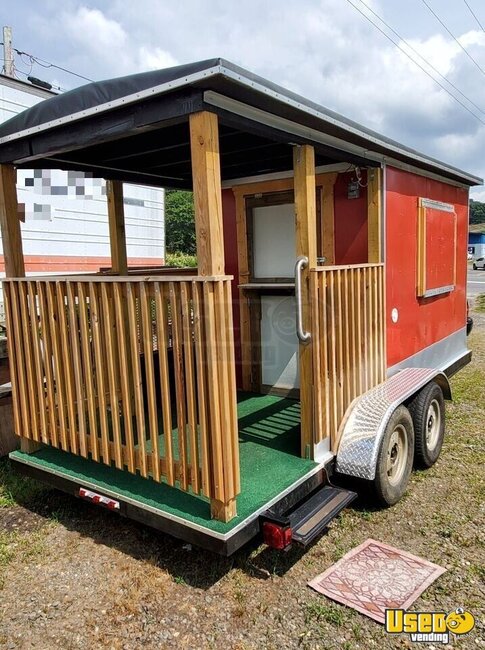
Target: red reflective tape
{"points": [[99, 499]]}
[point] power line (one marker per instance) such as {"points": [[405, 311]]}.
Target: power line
{"points": [[477, 65], [474, 15], [46, 64], [416, 63], [422, 57]]}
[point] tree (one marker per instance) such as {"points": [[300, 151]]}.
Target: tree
{"points": [[179, 222], [477, 212]]}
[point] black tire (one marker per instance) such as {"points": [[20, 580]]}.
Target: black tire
{"points": [[389, 489], [428, 412], [474, 267]]}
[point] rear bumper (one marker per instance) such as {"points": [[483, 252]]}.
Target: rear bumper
{"points": [[222, 543]]}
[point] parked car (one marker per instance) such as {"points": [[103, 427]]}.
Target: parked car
{"points": [[479, 263]]}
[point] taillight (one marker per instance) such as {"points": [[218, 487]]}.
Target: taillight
{"points": [[276, 535]]}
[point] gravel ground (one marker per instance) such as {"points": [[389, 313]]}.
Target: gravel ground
{"points": [[76, 577]]}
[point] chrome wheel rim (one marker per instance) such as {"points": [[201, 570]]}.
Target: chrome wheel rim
{"points": [[433, 425], [397, 453]]}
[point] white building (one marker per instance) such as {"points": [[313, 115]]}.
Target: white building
{"points": [[65, 221]]}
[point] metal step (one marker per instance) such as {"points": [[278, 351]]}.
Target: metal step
{"points": [[312, 516]]}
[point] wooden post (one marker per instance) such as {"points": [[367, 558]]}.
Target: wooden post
{"points": [[12, 251], [374, 212], [206, 174], [117, 236], [219, 366], [306, 244], [328, 218]]}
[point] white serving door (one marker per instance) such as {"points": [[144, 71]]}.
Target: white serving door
{"points": [[273, 254]]}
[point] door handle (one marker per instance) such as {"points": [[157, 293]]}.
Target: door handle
{"points": [[301, 263]]}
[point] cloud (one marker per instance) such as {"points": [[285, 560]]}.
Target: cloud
{"points": [[322, 49], [108, 44]]}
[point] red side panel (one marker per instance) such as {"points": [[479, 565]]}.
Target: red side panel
{"points": [[421, 321], [230, 252], [350, 222]]}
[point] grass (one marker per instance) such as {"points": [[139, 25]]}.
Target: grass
{"points": [[322, 610], [16, 489], [480, 303]]}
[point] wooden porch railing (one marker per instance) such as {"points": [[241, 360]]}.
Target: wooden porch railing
{"points": [[133, 372], [348, 321]]}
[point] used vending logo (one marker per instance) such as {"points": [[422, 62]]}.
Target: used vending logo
{"points": [[425, 627]]}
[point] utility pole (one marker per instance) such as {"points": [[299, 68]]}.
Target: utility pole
{"points": [[8, 52]]}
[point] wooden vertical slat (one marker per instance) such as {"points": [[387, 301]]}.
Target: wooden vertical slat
{"points": [[87, 344], [375, 323], [48, 364], [225, 401], [332, 345], [99, 365], [74, 330], [66, 363], [353, 333], [147, 343], [58, 373], [203, 406], [317, 361], [231, 370], [365, 337], [347, 274], [162, 337], [137, 378], [340, 348], [383, 312], [325, 363], [179, 384], [190, 384], [39, 366], [111, 359], [125, 375], [14, 378], [31, 382], [217, 469]]}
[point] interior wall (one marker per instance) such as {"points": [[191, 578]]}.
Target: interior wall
{"points": [[350, 221]]}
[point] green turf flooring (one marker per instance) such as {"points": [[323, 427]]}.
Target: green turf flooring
{"points": [[269, 442]]}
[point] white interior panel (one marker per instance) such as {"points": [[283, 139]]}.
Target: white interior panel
{"points": [[279, 343], [274, 241]]}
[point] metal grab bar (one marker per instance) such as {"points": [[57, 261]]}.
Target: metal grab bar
{"points": [[301, 263]]}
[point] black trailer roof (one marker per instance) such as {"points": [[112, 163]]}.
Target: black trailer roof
{"points": [[135, 128]]}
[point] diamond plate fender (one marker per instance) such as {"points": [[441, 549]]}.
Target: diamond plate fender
{"points": [[366, 419]]}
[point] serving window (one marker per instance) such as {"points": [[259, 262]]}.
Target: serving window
{"points": [[436, 263]]}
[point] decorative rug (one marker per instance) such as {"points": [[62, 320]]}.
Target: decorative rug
{"points": [[374, 577]]}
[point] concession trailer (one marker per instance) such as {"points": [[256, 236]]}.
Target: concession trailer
{"points": [[316, 337]]}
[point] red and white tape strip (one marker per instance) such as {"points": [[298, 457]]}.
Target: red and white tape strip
{"points": [[112, 504]]}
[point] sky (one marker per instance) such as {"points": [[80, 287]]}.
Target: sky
{"points": [[323, 49]]}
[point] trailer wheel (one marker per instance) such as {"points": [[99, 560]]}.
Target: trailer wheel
{"points": [[428, 412], [395, 459]]}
